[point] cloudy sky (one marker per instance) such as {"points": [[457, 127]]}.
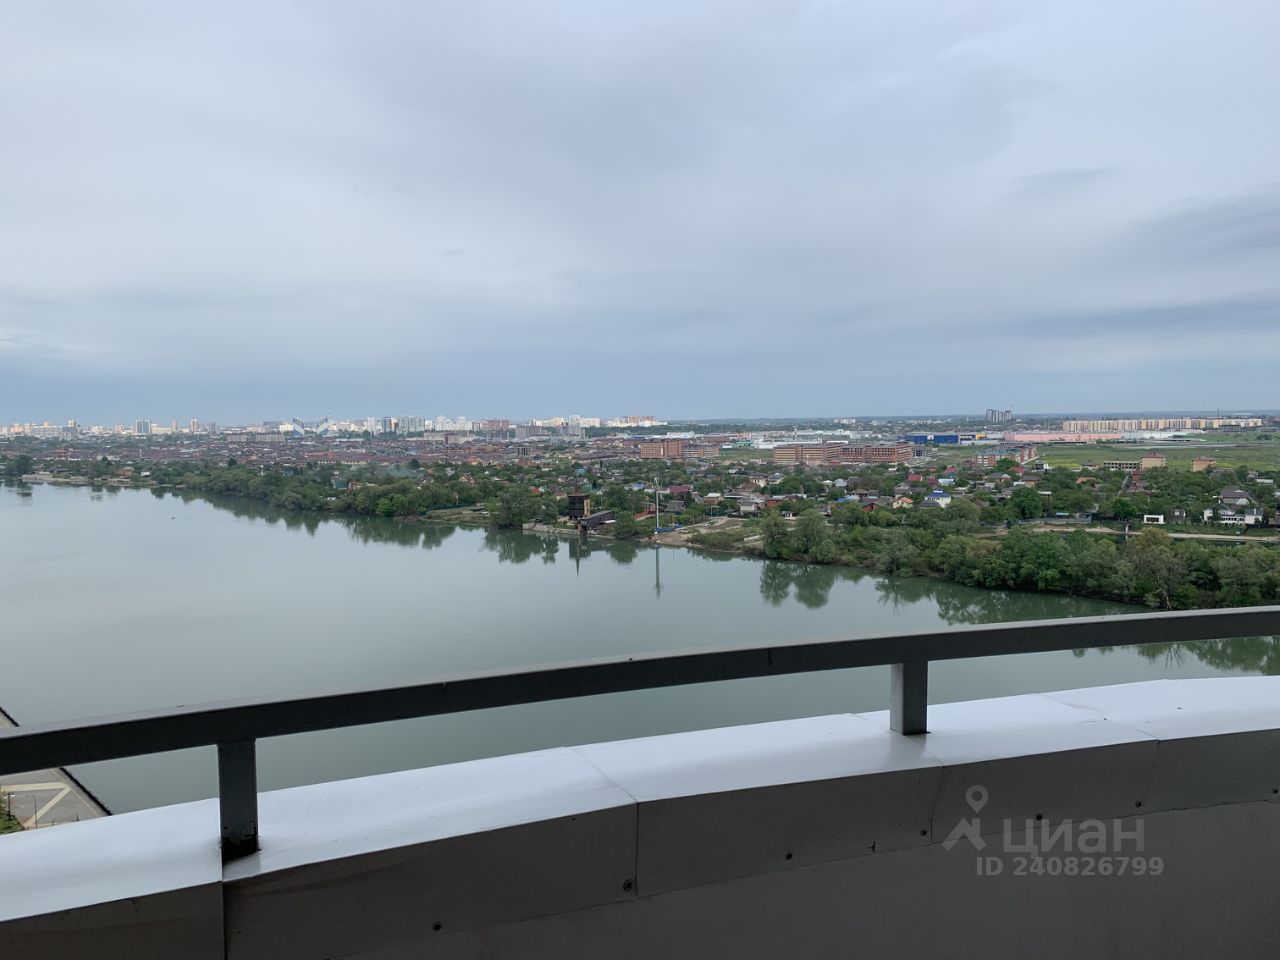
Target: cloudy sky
{"points": [[253, 209]]}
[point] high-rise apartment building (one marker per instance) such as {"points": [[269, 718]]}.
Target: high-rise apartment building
{"points": [[1158, 423]]}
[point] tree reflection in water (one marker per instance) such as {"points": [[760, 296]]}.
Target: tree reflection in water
{"points": [[1245, 654], [812, 581], [512, 546], [425, 535]]}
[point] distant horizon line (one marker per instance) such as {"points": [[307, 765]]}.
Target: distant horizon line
{"points": [[1224, 412]]}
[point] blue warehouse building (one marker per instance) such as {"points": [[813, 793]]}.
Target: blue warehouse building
{"points": [[941, 438]]}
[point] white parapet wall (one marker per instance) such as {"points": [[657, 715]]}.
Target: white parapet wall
{"points": [[1126, 821]]}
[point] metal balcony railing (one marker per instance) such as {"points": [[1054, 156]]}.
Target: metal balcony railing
{"points": [[235, 727]]}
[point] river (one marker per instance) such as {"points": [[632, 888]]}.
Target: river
{"points": [[115, 601]]}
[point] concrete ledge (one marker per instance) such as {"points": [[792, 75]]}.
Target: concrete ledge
{"points": [[146, 884], [404, 858], [814, 837]]}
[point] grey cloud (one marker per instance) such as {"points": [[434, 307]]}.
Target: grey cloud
{"points": [[435, 203], [1224, 226], [1126, 329], [1060, 184]]}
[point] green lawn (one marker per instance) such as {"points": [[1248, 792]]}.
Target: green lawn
{"points": [[8, 822], [1259, 454]]}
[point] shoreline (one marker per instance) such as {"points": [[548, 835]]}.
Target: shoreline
{"points": [[470, 518]]}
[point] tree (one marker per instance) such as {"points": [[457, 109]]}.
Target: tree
{"points": [[625, 526], [19, 466], [513, 508], [1247, 575], [1122, 509], [548, 510], [776, 534], [814, 537], [1026, 504], [1159, 570]]}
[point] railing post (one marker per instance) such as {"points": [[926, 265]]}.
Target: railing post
{"points": [[909, 697], [238, 798]]}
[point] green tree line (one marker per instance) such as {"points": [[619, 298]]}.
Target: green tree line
{"points": [[1149, 568]]}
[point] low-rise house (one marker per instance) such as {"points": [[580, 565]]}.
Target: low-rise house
{"points": [[1238, 518], [597, 519], [1234, 496]]}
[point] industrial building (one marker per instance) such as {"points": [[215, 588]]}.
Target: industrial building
{"points": [[944, 439]]}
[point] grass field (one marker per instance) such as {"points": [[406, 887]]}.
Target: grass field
{"points": [[1230, 451], [1259, 454]]}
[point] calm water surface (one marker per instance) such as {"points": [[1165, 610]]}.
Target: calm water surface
{"points": [[119, 601]]}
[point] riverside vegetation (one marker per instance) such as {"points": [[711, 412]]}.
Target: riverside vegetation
{"points": [[1149, 568], [975, 541]]}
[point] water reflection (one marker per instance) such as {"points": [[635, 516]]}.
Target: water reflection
{"points": [[982, 606], [1246, 654], [514, 547], [19, 488], [811, 585], [812, 582], [364, 530], [511, 546]]}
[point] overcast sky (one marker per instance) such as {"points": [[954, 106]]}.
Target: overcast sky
{"points": [[241, 210]]}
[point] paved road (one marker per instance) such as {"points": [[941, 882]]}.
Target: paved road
{"points": [[43, 798]]}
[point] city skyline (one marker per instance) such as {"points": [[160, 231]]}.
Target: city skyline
{"points": [[794, 207], [1092, 422]]}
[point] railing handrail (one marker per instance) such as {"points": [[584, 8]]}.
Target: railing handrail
{"points": [[235, 726]]}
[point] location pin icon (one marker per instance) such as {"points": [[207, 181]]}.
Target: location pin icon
{"points": [[976, 797]]}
